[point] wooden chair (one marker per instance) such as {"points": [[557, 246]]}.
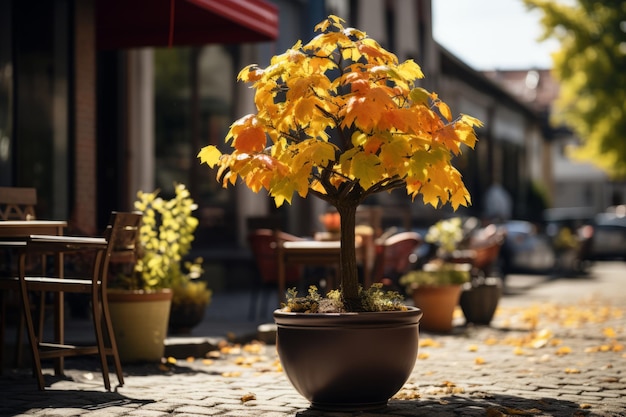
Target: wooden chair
{"points": [[120, 234], [264, 244], [393, 256], [486, 246], [16, 203]]}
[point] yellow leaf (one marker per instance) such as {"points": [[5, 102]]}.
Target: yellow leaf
{"points": [[460, 197], [428, 342], [479, 361], [519, 351], [444, 110], [466, 134], [410, 69], [471, 121], [250, 73], [332, 20], [563, 351], [609, 332], [367, 169], [209, 155], [419, 96]]}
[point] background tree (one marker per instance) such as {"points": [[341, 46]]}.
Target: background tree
{"points": [[591, 70]]}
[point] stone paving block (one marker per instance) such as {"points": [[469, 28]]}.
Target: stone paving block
{"points": [[147, 413]]}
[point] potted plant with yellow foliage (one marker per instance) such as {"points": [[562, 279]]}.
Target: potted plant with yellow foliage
{"points": [[342, 119], [436, 288], [160, 284]]}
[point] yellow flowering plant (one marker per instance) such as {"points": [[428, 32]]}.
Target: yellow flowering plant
{"points": [[341, 118]]}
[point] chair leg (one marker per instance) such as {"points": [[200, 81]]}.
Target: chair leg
{"points": [[113, 344], [19, 336], [97, 325], [32, 338], [3, 312]]}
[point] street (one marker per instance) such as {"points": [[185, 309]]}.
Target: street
{"points": [[555, 348]]}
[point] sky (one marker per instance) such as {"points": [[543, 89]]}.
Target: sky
{"points": [[492, 34]]}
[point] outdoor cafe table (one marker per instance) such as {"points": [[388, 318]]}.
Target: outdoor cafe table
{"points": [[13, 234], [314, 253]]}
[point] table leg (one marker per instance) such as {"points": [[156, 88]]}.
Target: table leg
{"points": [[59, 329]]}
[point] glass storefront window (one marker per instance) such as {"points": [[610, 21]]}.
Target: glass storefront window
{"points": [[194, 94]]}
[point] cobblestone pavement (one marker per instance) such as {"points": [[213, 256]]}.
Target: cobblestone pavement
{"points": [[555, 348]]}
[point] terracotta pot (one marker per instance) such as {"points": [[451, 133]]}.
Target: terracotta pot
{"points": [[479, 302], [438, 304], [140, 323], [350, 361]]}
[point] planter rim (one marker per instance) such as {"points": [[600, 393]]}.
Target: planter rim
{"points": [[118, 295], [123, 291], [414, 286], [410, 316]]}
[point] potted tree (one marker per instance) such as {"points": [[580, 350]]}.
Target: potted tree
{"points": [[141, 292], [340, 118]]}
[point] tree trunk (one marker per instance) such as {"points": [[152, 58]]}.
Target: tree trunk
{"points": [[348, 270]]}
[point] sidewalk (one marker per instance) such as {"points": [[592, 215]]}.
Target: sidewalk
{"points": [[556, 348]]}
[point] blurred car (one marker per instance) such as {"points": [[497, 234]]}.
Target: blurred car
{"points": [[525, 249], [570, 230], [608, 238]]}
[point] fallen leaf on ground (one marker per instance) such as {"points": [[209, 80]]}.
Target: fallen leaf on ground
{"points": [[248, 397]]}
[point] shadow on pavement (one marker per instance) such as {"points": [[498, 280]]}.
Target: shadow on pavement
{"points": [[484, 404]]}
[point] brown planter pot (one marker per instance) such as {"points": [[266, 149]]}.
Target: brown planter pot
{"points": [[438, 304], [351, 361], [185, 316], [479, 302], [140, 323]]}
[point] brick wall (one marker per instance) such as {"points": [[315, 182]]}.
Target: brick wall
{"points": [[84, 204]]}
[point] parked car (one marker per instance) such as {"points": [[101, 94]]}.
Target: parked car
{"points": [[608, 238], [525, 249]]}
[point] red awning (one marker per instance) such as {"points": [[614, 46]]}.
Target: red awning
{"points": [[124, 24]]}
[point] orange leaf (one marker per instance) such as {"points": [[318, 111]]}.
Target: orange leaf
{"points": [[448, 137]]}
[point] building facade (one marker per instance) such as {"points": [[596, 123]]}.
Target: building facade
{"points": [[102, 98]]}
